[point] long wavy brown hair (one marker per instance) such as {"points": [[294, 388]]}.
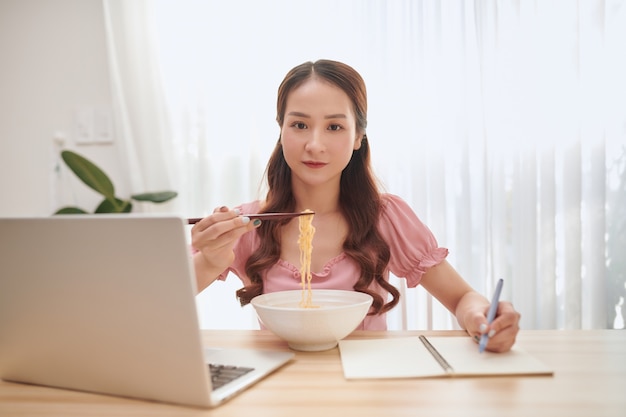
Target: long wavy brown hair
{"points": [[359, 197]]}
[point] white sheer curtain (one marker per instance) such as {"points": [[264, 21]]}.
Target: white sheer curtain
{"points": [[502, 123], [138, 98]]}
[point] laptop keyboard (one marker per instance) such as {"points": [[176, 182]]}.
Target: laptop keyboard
{"points": [[223, 374]]}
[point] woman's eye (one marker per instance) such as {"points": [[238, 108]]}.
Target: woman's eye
{"points": [[334, 127], [299, 125]]}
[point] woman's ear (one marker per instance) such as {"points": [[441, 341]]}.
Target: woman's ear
{"points": [[358, 140]]}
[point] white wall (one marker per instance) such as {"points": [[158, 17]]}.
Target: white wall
{"points": [[53, 62]]}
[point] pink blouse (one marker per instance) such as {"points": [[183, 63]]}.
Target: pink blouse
{"points": [[413, 250]]}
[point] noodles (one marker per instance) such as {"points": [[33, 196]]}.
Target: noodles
{"points": [[305, 243]]}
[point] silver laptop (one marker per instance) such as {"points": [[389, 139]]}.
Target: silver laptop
{"points": [[106, 304]]}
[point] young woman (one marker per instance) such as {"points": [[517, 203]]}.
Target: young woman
{"points": [[321, 162]]}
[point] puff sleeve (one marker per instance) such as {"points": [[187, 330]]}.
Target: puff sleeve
{"points": [[413, 246]]}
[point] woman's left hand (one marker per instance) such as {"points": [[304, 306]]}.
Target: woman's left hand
{"points": [[502, 331]]}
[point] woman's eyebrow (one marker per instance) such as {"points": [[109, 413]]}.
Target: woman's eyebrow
{"points": [[329, 116], [298, 114]]}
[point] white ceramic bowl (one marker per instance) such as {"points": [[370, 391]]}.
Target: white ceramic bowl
{"points": [[312, 329]]}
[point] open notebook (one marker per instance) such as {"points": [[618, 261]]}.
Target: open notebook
{"points": [[422, 357], [106, 304]]}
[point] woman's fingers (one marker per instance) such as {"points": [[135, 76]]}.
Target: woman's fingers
{"points": [[220, 229], [502, 331]]}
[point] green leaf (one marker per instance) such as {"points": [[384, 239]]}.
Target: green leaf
{"points": [[70, 210], [155, 197], [120, 206], [89, 173]]}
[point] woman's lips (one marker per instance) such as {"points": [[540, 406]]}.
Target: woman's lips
{"points": [[313, 164]]}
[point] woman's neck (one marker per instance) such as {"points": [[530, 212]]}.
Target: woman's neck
{"points": [[321, 200]]}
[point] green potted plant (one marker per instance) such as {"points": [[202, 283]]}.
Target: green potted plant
{"points": [[90, 174]]}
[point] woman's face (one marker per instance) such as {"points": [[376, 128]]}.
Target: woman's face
{"points": [[319, 132]]}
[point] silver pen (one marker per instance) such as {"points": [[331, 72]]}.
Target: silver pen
{"points": [[493, 308]]}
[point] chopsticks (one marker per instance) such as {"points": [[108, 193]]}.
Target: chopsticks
{"points": [[262, 216]]}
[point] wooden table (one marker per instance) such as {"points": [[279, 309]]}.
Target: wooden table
{"points": [[589, 381]]}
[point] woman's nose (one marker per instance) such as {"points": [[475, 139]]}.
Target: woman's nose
{"points": [[315, 141]]}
